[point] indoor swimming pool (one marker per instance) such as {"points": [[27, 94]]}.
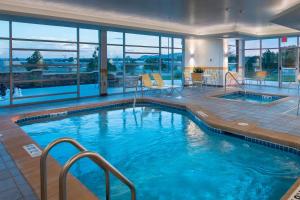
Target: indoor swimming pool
{"points": [[167, 154]]}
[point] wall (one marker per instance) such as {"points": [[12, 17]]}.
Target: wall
{"points": [[208, 52]]}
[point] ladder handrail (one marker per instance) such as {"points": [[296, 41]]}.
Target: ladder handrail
{"points": [[298, 97], [101, 162], [43, 161], [135, 92], [240, 85]]}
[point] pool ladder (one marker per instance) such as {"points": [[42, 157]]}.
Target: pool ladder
{"points": [[298, 98], [136, 91], [96, 158], [233, 77]]}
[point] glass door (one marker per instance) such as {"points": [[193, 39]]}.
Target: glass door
{"points": [[289, 65]]}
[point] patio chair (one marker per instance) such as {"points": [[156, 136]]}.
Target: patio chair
{"points": [[187, 78], [214, 78], [261, 77], [161, 84]]}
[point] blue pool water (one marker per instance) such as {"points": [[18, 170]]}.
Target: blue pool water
{"points": [[251, 97], [167, 156]]}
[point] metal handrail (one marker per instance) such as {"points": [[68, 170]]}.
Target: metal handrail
{"points": [[135, 92], [240, 85], [298, 95], [101, 162], [43, 162]]}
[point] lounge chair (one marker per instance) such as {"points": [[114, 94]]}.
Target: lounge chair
{"points": [[161, 84], [147, 83]]}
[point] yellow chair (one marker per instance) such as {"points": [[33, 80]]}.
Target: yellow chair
{"points": [[161, 84], [261, 76], [146, 80]]}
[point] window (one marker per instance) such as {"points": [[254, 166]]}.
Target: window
{"points": [[270, 63], [252, 63], [89, 69], [114, 38], [88, 35], [270, 43], [141, 56], [4, 29], [115, 68], [45, 62], [62, 61], [43, 32], [233, 55], [141, 40], [290, 42], [4, 73], [177, 61], [252, 44]]}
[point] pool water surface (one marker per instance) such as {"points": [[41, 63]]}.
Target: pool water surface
{"points": [[251, 97], [168, 156]]}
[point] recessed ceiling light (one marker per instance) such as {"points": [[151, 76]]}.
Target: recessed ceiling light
{"points": [[243, 124]]}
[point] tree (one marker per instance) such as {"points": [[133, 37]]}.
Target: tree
{"points": [[130, 65], [35, 59], [71, 59], [149, 63], [270, 59], [110, 66], [93, 64]]}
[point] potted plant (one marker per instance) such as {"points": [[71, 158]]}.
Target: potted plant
{"points": [[197, 74]]}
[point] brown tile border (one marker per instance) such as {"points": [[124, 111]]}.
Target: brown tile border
{"points": [[30, 166]]}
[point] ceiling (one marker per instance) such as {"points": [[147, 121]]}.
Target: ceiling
{"points": [[194, 17]]}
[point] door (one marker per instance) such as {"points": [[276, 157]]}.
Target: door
{"points": [[288, 66]]}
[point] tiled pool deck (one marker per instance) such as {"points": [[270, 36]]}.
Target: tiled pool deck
{"points": [[275, 122]]}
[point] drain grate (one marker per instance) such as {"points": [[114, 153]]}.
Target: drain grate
{"points": [[201, 113], [32, 150]]}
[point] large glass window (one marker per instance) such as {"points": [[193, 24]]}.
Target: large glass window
{"points": [[289, 42], [89, 51], [4, 29], [266, 58], [252, 63], [270, 43], [59, 62], [142, 54], [269, 57], [89, 69], [233, 55], [89, 36], [252, 44], [115, 66], [43, 32], [141, 40], [270, 63], [4, 73], [45, 62]]}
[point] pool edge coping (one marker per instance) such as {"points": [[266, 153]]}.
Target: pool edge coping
{"points": [[218, 94], [251, 130]]}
